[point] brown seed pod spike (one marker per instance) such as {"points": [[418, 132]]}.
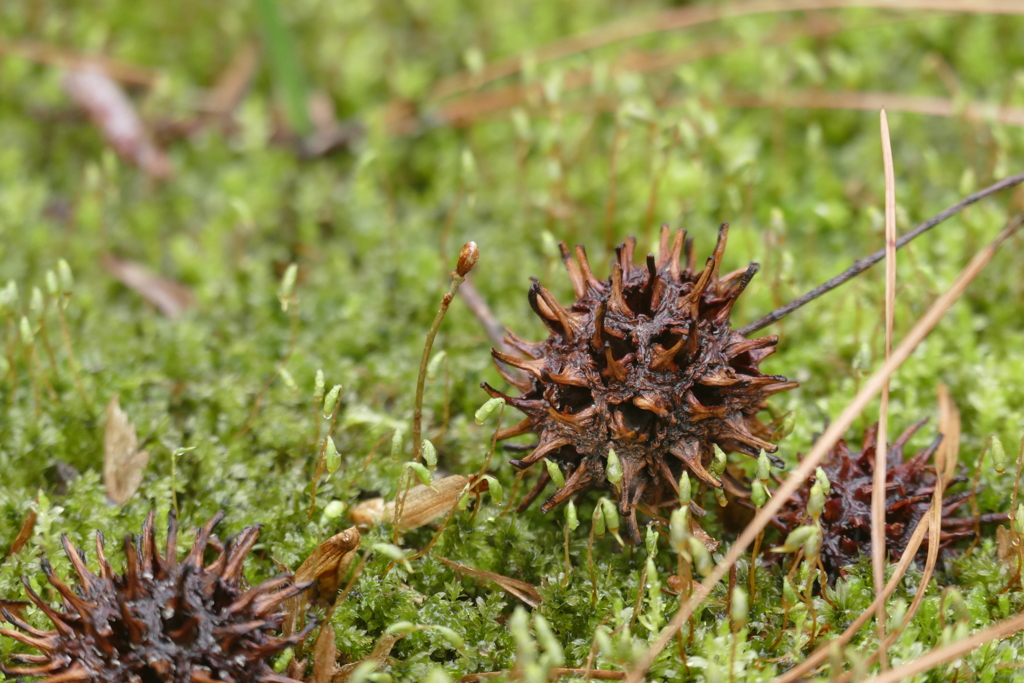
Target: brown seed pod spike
{"points": [[161, 620], [846, 516], [643, 363]]}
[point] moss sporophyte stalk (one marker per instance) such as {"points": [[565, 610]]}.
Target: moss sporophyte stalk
{"points": [[641, 377]]}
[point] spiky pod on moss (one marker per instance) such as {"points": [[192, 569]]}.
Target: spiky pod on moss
{"points": [[160, 620], [846, 516], [643, 363]]}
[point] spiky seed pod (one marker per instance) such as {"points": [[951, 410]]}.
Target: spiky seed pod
{"points": [[846, 514], [161, 620], [643, 363]]}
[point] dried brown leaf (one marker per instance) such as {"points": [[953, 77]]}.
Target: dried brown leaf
{"points": [[114, 114], [326, 566], [325, 655], [423, 504], [233, 83], [380, 654], [518, 589], [27, 527], [123, 461], [170, 298]]}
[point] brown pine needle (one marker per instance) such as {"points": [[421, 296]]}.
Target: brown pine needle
{"points": [[952, 651], [878, 490], [868, 391]]}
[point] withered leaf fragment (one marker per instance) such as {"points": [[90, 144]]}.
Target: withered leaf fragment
{"points": [[123, 461], [645, 363], [163, 619]]}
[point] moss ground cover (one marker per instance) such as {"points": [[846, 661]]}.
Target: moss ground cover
{"points": [[375, 228]]}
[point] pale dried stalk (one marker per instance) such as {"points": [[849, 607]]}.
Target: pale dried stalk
{"points": [[951, 651], [946, 457], [870, 389], [878, 491]]}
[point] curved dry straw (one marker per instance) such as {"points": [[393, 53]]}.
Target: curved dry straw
{"points": [[834, 432]]}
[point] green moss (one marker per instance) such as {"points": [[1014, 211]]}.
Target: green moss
{"points": [[374, 231]]}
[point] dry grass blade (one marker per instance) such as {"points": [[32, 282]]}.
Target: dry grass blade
{"points": [[123, 462], [868, 391], [113, 113], [951, 651], [56, 56], [518, 589], [689, 17], [857, 100], [878, 490], [170, 298]]}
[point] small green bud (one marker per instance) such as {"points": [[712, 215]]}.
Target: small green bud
{"points": [[720, 497], [330, 400], [334, 509], [421, 472], [283, 660], [789, 592], [613, 469], [52, 284], [684, 489], [67, 282], [287, 378], [287, 289], [435, 364], [651, 541], [571, 520], [998, 455], [797, 537], [764, 466], [27, 338], [8, 296], [486, 409], [679, 528], [450, 635], [555, 472], [463, 500], [318, 388], [785, 428], [396, 444], [393, 552], [758, 495], [494, 486], [719, 461], [429, 453], [36, 303], [956, 601], [548, 641], [812, 546], [331, 457], [611, 516], [598, 521], [1018, 521], [701, 557], [823, 482], [740, 608], [816, 502]]}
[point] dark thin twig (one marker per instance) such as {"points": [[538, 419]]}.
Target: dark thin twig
{"points": [[476, 303], [860, 266]]}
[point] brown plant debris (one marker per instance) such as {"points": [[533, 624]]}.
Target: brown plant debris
{"points": [[846, 516], [161, 620], [644, 363], [170, 298], [514, 587], [123, 460]]}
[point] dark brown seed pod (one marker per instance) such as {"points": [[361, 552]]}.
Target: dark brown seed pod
{"points": [[846, 516], [643, 363], [161, 620]]}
